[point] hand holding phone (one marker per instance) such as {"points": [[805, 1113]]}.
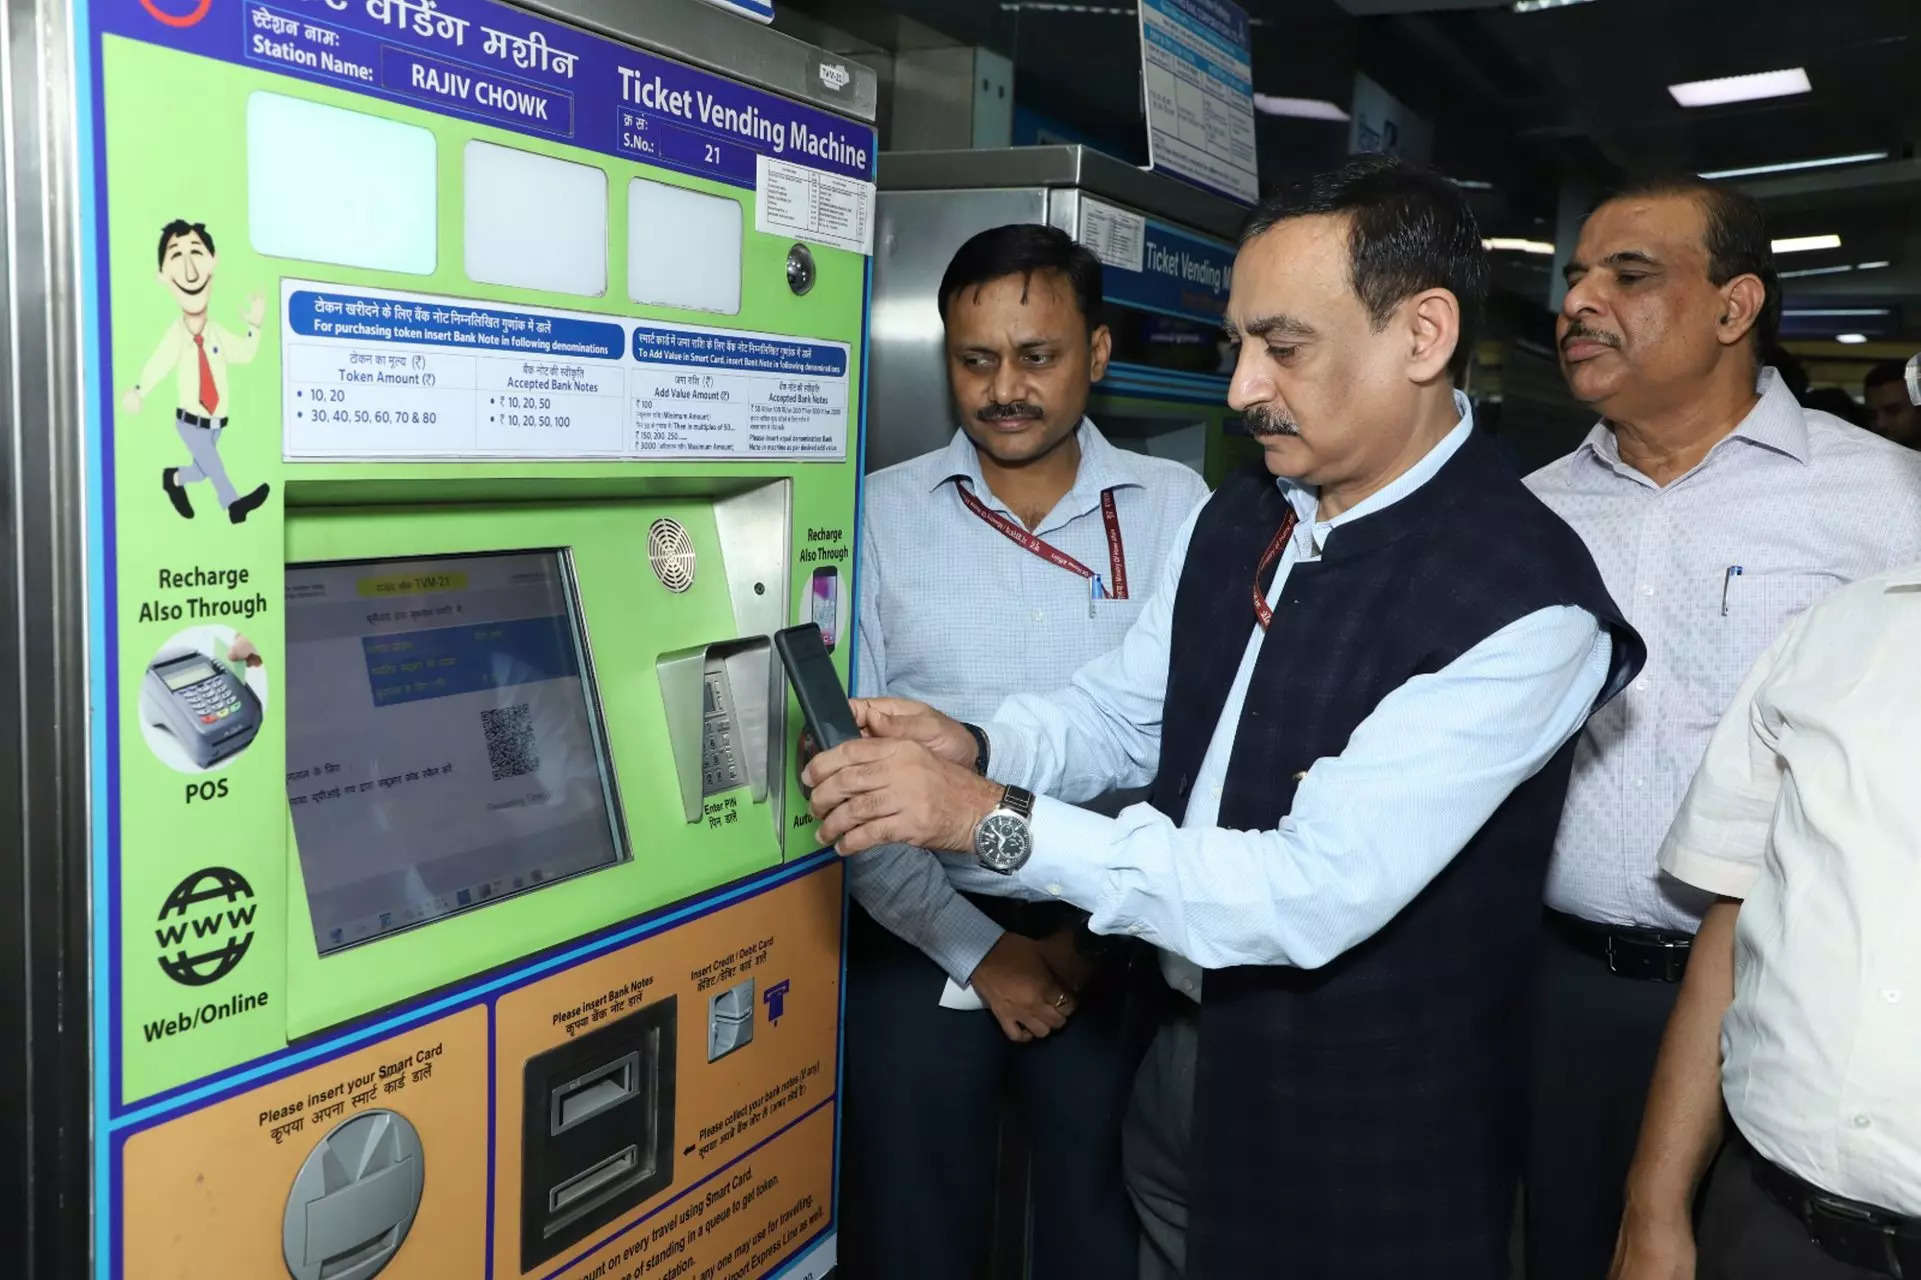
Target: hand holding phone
{"points": [[822, 699]]}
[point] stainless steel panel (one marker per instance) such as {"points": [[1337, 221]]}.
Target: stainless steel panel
{"points": [[698, 33], [909, 410], [44, 981], [1095, 172], [756, 531]]}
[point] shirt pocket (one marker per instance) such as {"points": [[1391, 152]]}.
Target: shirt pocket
{"points": [[1759, 606], [1111, 622]]}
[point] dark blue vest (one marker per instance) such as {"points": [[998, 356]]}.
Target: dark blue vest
{"points": [[1361, 1120]]}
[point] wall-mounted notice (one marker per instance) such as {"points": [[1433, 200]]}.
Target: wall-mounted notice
{"points": [[758, 10], [375, 373], [1198, 70]]}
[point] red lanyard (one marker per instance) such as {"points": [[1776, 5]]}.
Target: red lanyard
{"points": [[1116, 557], [1262, 613]]}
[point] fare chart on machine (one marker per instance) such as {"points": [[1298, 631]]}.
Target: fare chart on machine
{"points": [[375, 373]]}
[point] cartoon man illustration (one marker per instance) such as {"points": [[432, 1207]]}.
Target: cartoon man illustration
{"points": [[195, 351]]}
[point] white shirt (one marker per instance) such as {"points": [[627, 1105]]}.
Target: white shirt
{"points": [[1808, 808], [1803, 502], [957, 615], [1368, 829]]}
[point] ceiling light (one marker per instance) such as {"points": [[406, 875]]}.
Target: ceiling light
{"points": [[1514, 244], [1472, 184], [1802, 244], [1788, 166], [1872, 266], [1762, 84], [1298, 108], [1852, 339], [1815, 271], [1837, 311], [1535, 6]]}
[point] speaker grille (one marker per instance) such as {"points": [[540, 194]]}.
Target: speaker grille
{"points": [[670, 551]]}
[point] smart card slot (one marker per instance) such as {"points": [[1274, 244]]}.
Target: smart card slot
{"points": [[579, 1192], [595, 1093]]}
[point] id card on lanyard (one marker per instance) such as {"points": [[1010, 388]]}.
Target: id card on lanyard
{"points": [[1115, 588]]}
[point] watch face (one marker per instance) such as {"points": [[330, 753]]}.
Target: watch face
{"points": [[1002, 842]]}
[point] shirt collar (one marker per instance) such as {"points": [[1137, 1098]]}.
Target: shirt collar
{"points": [[1906, 576], [1306, 499], [1102, 467], [1775, 422]]}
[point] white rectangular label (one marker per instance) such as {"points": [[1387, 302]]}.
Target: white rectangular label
{"points": [[811, 204], [374, 373], [1117, 237]]}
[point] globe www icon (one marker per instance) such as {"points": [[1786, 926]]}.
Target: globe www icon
{"points": [[200, 944]]}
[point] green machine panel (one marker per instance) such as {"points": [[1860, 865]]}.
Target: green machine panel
{"points": [[478, 387]]}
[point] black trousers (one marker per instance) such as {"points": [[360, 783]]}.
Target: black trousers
{"points": [[1746, 1234], [923, 1090], [1596, 1036]]}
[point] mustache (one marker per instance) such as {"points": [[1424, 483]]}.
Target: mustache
{"points": [[1012, 409], [1262, 421], [1581, 333]]}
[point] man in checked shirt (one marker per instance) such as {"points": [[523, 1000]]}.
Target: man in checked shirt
{"points": [[1716, 509], [996, 565]]}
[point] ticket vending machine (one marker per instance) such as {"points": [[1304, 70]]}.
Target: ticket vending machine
{"points": [[1167, 255], [424, 412]]}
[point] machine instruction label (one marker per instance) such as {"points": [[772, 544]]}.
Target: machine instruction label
{"points": [[813, 204], [1116, 236], [375, 373]]}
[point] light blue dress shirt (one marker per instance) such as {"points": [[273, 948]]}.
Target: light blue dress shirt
{"points": [[1369, 828], [956, 615]]}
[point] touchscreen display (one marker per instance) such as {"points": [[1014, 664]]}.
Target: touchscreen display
{"points": [[443, 738]]}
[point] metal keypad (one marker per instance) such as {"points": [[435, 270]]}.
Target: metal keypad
{"points": [[719, 762]]}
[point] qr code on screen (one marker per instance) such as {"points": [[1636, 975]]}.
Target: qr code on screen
{"points": [[510, 740]]}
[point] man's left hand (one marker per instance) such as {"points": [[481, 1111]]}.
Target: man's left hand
{"points": [[877, 791], [256, 310]]}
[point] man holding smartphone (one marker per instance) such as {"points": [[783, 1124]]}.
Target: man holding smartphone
{"points": [[995, 566]]}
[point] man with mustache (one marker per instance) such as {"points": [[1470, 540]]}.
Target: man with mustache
{"points": [[1355, 691], [996, 565], [196, 351], [1716, 508]]}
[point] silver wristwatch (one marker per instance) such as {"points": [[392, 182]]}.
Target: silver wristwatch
{"points": [[1003, 840]]}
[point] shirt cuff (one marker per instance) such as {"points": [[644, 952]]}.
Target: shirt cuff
{"points": [[959, 937], [1009, 760], [1705, 871], [1070, 854]]}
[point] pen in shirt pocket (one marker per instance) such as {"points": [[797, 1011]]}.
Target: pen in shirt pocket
{"points": [[1727, 580]]}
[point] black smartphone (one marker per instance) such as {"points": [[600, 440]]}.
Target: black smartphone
{"points": [[822, 699]]}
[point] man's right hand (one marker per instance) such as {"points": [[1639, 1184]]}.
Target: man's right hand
{"points": [[1653, 1251], [943, 735], [1020, 990], [130, 403]]}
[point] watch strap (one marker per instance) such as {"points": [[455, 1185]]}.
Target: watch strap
{"points": [[1020, 800], [980, 747]]}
